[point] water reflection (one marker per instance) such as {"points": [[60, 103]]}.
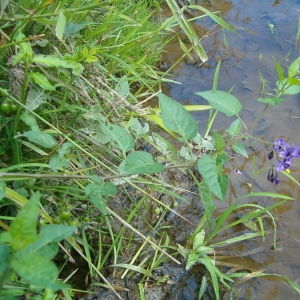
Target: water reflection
{"points": [[240, 65]]}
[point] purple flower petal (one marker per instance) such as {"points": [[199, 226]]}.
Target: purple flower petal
{"points": [[282, 165], [281, 147], [271, 155]]}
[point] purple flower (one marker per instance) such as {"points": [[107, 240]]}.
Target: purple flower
{"points": [[281, 147], [271, 155], [273, 176]]}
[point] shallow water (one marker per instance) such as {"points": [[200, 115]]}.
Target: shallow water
{"points": [[240, 65]]}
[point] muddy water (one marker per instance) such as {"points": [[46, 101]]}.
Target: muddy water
{"points": [[240, 65]]}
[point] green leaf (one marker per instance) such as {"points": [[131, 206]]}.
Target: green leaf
{"points": [[222, 159], [198, 240], [42, 81], [235, 128], [218, 141], [51, 61], [137, 127], [4, 258], [207, 199], [51, 233], [39, 271], [294, 67], [208, 169], [239, 148], [183, 251], [121, 139], [279, 70], [222, 101], [60, 26], [2, 190], [223, 182], [272, 101], [122, 87], [72, 28], [207, 262], [288, 89], [23, 227], [176, 118], [89, 54], [192, 259], [35, 97], [30, 120], [140, 162], [43, 139], [58, 163]]}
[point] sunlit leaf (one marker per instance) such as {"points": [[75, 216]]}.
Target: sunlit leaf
{"points": [[239, 148], [198, 240], [222, 101], [235, 128], [60, 26], [42, 81], [140, 162], [51, 61], [176, 118]]}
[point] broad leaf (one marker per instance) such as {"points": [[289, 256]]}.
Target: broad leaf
{"points": [[272, 101], [122, 87], [58, 163], [35, 97], [43, 139], [294, 67], [72, 28], [121, 139], [42, 81], [176, 118], [137, 127], [222, 101], [140, 162], [39, 271], [208, 169], [239, 148], [235, 128], [23, 227], [51, 61]]}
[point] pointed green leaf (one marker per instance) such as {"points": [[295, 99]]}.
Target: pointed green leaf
{"points": [[272, 101], [222, 101], [294, 67], [60, 26], [235, 128], [239, 148], [42, 81], [140, 162], [43, 139], [23, 228], [223, 182], [207, 199], [39, 271], [51, 61], [176, 118], [280, 73], [208, 169]]}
